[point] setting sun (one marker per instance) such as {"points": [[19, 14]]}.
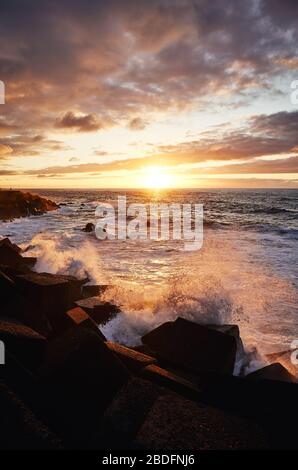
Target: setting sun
{"points": [[156, 177]]}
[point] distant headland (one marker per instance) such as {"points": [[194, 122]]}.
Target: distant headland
{"points": [[14, 204]]}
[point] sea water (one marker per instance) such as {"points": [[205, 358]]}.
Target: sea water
{"points": [[245, 273]]}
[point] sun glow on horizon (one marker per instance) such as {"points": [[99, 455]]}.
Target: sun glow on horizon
{"points": [[155, 177]]}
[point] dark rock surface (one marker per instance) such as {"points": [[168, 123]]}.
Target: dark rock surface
{"points": [[21, 341], [79, 318], [171, 380], [273, 372], [93, 290], [14, 204], [89, 228], [176, 423], [285, 359], [79, 379], [9, 256], [100, 311], [51, 294], [192, 346], [125, 415], [133, 360], [19, 428]]}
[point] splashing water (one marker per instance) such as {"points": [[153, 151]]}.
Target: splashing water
{"points": [[242, 276]]}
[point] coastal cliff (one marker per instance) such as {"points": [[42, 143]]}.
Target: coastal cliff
{"points": [[15, 204]]}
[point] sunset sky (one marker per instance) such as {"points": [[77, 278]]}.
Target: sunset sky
{"points": [[139, 93]]}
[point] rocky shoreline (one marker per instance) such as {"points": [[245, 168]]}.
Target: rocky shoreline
{"points": [[64, 385], [15, 204]]}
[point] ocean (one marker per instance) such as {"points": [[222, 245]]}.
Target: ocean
{"points": [[245, 273]]}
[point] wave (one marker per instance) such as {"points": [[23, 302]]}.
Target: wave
{"points": [[271, 210]]}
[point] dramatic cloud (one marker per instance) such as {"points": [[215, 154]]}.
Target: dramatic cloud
{"points": [[29, 145], [81, 123], [262, 135], [157, 54], [283, 165], [85, 66]]}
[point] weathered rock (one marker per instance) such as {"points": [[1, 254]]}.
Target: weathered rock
{"points": [[273, 372], [15, 204], [93, 291], [175, 423], [194, 347], [79, 379], [133, 360], [26, 345], [79, 318], [19, 428], [90, 227], [100, 311]]}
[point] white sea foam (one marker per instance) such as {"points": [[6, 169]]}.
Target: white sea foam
{"points": [[238, 277]]}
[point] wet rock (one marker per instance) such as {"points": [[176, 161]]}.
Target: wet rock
{"points": [[10, 256], [192, 346], [79, 379], [25, 344], [79, 318], [175, 423], [90, 227], [93, 290], [285, 359], [242, 359], [133, 360], [272, 372], [7, 242], [100, 311], [29, 261]]}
